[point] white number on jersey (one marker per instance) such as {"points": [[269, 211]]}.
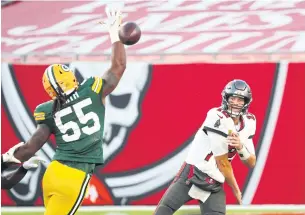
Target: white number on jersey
{"points": [[83, 119]]}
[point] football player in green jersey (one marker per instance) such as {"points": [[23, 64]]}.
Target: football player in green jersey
{"points": [[75, 116]]}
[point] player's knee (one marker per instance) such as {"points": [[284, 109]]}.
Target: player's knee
{"points": [[164, 209]]}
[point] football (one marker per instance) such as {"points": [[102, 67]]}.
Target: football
{"points": [[129, 33]]}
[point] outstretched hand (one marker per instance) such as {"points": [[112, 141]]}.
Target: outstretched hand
{"points": [[33, 162], [9, 157], [113, 22]]}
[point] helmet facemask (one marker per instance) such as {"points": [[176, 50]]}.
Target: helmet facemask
{"points": [[236, 110], [236, 88]]}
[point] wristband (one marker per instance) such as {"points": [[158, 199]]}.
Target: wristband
{"points": [[244, 154], [114, 36]]}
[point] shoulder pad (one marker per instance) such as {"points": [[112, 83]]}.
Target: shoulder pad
{"points": [[219, 121], [251, 120], [95, 83], [43, 110], [223, 112], [88, 81], [218, 113], [250, 116]]}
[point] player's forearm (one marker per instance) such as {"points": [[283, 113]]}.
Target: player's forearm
{"points": [[250, 162], [246, 157], [118, 58], [118, 64], [39, 138], [29, 149], [227, 171], [13, 178], [26, 152], [4, 165]]}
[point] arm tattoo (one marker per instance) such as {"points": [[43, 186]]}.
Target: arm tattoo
{"points": [[110, 82], [118, 65]]}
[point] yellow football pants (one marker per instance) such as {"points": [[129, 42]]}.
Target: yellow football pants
{"points": [[64, 189]]}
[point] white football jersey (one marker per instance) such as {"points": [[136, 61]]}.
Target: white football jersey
{"points": [[210, 140]]}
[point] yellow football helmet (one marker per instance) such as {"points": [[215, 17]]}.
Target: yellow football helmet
{"points": [[59, 79]]}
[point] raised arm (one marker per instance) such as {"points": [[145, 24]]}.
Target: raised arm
{"points": [[118, 65], [118, 57]]}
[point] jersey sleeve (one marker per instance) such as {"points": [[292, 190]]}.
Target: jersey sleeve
{"points": [[218, 123], [252, 120], [250, 146], [252, 129], [43, 115], [95, 84]]}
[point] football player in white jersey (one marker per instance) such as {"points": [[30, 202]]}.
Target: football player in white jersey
{"points": [[227, 130]]}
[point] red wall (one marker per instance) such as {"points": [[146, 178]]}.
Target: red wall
{"points": [[174, 105]]}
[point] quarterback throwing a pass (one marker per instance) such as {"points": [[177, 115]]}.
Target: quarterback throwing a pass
{"points": [[227, 130], [75, 115]]}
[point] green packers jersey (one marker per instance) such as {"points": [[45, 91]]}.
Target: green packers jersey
{"points": [[78, 126]]}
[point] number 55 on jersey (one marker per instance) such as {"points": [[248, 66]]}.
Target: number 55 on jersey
{"points": [[78, 126]]}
